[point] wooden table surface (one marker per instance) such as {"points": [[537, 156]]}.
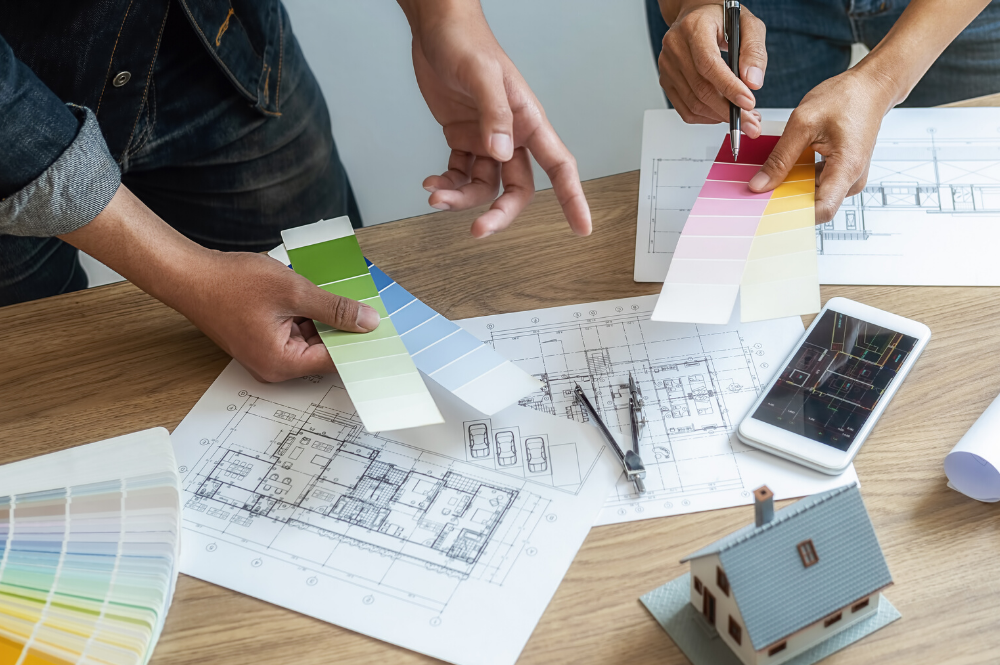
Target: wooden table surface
{"points": [[111, 360]]}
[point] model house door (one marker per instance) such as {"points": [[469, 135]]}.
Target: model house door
{"points": [[708, 606]]}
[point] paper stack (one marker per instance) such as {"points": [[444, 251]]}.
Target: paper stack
{"points": [[89, 542]]}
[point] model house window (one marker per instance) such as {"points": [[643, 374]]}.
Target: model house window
{"points": [[697, 585], [777, 648], [721, 580], [860, 605], [735, 631], [832, 620], [807, 552]]}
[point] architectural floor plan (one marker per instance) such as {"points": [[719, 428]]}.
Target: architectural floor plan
{"points": [[698, 382], [448, 539], [929, 214]]}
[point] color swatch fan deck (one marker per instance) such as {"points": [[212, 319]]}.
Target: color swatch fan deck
{"points": [[736, 241], [89, 544], [380, 377]]}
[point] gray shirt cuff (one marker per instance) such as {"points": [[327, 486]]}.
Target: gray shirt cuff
{"points": [[71, 192]]}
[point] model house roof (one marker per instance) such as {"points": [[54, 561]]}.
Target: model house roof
{"points": [[776, 591]]}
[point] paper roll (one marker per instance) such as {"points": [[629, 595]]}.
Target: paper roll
{"points": [[972, 464]]}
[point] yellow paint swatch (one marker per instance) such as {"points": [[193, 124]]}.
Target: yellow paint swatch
{"points": [[782, 274]]}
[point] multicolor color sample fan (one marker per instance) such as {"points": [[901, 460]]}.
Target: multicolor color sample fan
{"points": [[89, 542], [735, 241]]}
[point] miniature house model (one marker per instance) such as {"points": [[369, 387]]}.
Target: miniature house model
{"points": [[793, 579]]}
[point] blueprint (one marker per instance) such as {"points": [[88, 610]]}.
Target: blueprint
{"points": [[929, 214], [699, 381], [448, 539]]}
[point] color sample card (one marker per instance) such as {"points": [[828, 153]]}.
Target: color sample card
{"points": [[89, 543], [450, 355], [376, 367], [735, 237]]}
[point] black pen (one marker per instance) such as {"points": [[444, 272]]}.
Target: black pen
{"points": [[731, 23]]}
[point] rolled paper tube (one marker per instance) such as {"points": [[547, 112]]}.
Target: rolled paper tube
{"points": [[972, 464]]}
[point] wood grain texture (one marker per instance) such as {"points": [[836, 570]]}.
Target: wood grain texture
{"points": [[111, 360]]}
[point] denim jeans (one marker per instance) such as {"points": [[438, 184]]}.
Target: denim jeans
{"points": [[809, 41], [209, 165]]}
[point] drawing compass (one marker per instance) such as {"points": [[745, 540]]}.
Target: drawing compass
{"points": [[635, 470]]}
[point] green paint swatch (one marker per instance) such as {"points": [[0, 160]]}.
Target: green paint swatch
{"points": [[376, 368]]}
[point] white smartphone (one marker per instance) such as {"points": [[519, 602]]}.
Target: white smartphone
{"points": [[822, 406]]}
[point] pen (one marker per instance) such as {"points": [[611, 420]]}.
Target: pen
{"points": [[731, 22]]}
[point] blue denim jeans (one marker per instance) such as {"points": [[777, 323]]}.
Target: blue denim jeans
{"points": [[809, 41], [209, 165]]}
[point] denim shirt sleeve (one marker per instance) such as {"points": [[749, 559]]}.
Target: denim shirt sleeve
{"points": [[56, 173]]}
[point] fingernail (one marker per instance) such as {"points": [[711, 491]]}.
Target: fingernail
{"points": [[745, 103], [759, 181], [756, 114], [368, 318], [755, 76], [441, 205], [503, 147], [430, 188]]}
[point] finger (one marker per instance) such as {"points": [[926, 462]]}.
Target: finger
{"points": [[860, 183], [560, 165], [682, 108], [839, 174], [793, 142], [459, 166], [496, 121], [518, 190], [466, 137], [481, 188], [750, 123], [334, 311], [753, 54], [681, 74], [714, 75]]}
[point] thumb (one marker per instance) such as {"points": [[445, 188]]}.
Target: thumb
{"points": [[753, 54], [337, 311], [786, 153], [838, 176], [496, 121]]}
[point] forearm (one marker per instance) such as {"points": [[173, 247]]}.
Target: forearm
{"points": [[423, 15], [922, 33], [130, 239]]}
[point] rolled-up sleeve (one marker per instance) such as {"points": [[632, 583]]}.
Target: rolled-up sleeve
{"points": [[56, 173]]}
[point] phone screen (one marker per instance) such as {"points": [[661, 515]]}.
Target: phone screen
{"points": [[835, 379]]}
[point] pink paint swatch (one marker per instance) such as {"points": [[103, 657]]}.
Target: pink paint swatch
{"points": [[718, 238]]}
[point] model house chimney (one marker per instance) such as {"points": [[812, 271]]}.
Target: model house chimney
{"points": [[763, 505]]}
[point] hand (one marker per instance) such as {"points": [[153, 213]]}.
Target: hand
{"points": [[698, 82], [491, 120], [255, 308], [839, 119]]}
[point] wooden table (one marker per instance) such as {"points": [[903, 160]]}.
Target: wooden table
{"points": [[111, 360]]}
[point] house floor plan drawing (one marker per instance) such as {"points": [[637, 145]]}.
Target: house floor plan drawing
{"points": [[698, 382], [412, 537], [929, 214]]}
